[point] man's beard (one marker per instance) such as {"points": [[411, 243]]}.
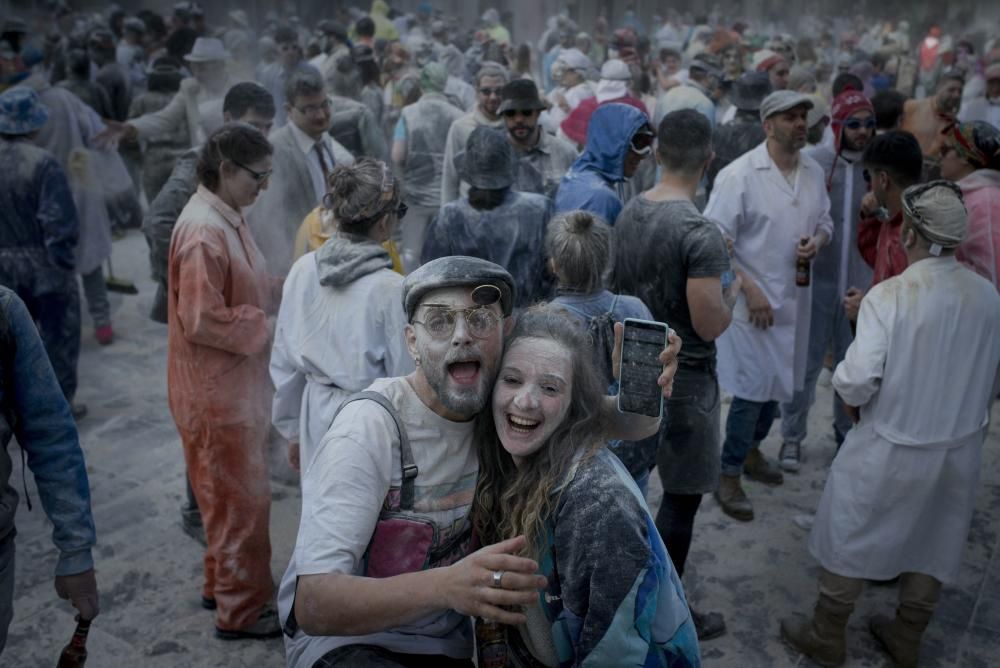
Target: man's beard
{"points": [[522, 133], [467, 401]]}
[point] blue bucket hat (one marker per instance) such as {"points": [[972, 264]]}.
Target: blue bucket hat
{"points": [[21, 112]]}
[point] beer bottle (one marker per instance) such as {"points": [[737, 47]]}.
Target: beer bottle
{"points": [[491, 644], [74, 655], [803, 269]]}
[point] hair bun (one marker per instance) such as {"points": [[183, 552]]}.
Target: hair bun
{"points": [[580, 222], [342, 180]]}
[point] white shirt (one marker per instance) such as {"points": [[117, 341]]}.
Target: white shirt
{"points": [[756, 206], [308, 146], [923, 366], [343, 491]]}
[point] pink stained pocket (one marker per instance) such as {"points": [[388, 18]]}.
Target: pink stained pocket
{"points": [[399, 545]]}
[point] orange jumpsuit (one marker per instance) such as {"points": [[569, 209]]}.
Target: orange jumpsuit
{"points": [[218, 343]]}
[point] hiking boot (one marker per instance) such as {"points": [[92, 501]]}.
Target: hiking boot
{"points": [[708, 625], [758, 467], [266, 626], [104, 335], [732, 499], [823, 637], [789, 458], [900, 637]]}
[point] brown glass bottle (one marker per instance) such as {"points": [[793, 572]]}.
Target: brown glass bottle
{"points": [[803, 267], [803, 272], [74, 655]]}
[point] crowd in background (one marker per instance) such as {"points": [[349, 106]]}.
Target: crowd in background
{"points": [[362, 199]]}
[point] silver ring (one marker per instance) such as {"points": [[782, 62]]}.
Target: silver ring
{"points": [[497, 577]]}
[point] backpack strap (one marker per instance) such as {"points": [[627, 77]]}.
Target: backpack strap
{"points": [[614, 303], [407, 465], [409, 470]]}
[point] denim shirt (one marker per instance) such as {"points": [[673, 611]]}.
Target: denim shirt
{"points": [[637, 456], [45, 429]]}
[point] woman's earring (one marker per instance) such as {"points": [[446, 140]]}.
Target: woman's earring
{"points": [[416, 360]]}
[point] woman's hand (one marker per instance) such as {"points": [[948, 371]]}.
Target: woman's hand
{"points": [[668, 357], [467, 586]]}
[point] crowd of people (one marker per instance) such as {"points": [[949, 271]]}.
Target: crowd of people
{"points": [[401, 248]]}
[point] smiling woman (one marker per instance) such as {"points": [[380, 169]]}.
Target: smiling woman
{"points": [[544, 473]]}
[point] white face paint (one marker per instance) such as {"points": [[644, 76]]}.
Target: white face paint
{"points": [[531, 397], [459, 368]]}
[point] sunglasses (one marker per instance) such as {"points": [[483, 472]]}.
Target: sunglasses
{"points": [[511, 113], [857, 124], [259, 177], [490, 92], [644, 150]]}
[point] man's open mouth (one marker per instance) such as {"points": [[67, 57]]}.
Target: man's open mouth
{"points": [[521, 425], [464, 373]]}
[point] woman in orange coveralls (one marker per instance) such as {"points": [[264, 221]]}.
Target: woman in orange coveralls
{"points": [[219, 336]]}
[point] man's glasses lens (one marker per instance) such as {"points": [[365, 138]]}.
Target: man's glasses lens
{"points": [[312, 109], [490, 91], [440, 322], [511, 113]]}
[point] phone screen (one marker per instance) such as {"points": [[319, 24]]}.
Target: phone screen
{"points": [[640, 368]]}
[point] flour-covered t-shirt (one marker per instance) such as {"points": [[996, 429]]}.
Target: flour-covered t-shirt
{"points": [[343, 490]]}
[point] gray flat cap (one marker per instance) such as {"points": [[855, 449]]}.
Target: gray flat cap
{"points": [[456, 271], [783, 100]]}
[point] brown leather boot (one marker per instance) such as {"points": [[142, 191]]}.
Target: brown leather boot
{"points": [[760, 468], [823, 637], [732, 499]]}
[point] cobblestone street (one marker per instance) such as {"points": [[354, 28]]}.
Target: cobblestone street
{"points": [[149, 571]]}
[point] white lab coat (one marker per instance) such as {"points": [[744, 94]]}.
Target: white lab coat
{"points": [[923, 369], [329, 343], [754, 204]]}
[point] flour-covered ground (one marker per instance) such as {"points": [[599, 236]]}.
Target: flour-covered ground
{"points": [[149, 571]]}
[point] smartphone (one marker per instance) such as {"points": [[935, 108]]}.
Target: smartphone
{"points": [[643, 341]]}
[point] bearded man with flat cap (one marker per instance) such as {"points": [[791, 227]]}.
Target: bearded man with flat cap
{"points": [[384, 571], [919, 380]]}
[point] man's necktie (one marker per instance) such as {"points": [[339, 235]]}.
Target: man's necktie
{"points": [[322, 163]]}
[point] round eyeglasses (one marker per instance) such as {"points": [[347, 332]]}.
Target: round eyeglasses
{"points": [[439, 320]]}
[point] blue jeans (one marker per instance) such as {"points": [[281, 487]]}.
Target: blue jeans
{"points": [[747, 425], [828, 325]]}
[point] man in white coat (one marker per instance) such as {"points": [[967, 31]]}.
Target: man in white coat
{"points": [[772, 202], [921, 375]]}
